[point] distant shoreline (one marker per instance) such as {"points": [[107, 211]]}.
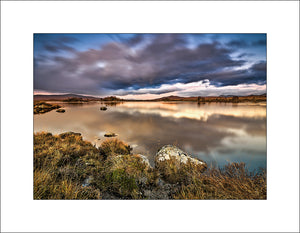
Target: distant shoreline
{"points": [[199, 99]]}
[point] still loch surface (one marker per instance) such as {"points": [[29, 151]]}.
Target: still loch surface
{"points": [[217, 133]]}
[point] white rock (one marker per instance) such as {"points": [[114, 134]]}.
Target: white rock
{"points": [[168, 151]]}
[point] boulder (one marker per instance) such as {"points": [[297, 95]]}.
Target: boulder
{"points": [[176, 166]]}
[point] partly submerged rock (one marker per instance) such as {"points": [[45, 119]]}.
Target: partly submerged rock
{"points": [[176, 165], [60, 110], [103, 108], [110, 135]]}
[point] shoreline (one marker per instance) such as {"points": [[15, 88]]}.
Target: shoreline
{"points": [[198, 99]]}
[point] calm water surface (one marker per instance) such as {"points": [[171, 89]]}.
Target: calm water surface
{"points": [[217, 133]]}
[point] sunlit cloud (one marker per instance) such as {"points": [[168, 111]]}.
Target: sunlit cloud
{"points": [[200, 88]]}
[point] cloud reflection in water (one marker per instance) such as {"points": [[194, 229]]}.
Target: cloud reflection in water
{"points": [[213, 132]]}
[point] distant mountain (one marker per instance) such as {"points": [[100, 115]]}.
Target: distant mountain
{"points": [[242, 95], [265, 94], [74, 97], [176, 98], [221, 98], [63, 97], [227, 95]]}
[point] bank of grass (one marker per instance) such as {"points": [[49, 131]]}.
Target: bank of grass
{"points": [[61, 166], [67, 167]]}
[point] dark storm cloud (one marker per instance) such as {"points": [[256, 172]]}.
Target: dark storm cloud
{"points": [[259, 43], [255, 74], [60, 44], [261, 66], [244, 43], [237, 43], [56, 48], [141, 61], [246, 55], [135, 40]]}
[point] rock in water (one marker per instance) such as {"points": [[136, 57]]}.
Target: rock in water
{"points": [[110, 134], [60, 110], [176, 165]]}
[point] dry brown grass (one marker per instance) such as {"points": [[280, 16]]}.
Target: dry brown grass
{"points": [[60, 166], [114, 147], [231, 182], [63, 163], [173, 171]]}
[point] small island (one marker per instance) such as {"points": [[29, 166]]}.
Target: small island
{"points": [[43, 107]]}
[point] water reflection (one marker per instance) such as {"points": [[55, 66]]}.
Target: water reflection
{"points": [[216, 133]]}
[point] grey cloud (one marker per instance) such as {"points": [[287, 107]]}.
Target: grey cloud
{"points": [[261, 66], [259, 43], [61, 44], [237, 43], [165, 60], [245, 55]]}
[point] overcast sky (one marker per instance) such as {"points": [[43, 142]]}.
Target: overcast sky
{"points": [[146, 66]]}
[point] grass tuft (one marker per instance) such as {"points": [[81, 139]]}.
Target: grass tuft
{"points": [[114, 147]]}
